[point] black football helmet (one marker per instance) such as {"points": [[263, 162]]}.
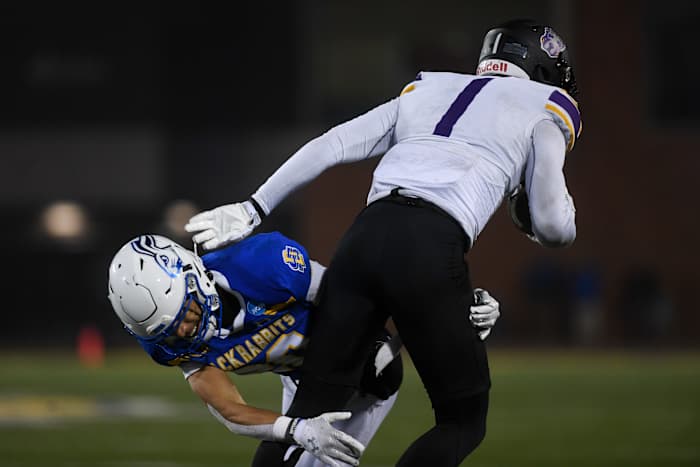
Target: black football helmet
{"points": [[526, 49]]}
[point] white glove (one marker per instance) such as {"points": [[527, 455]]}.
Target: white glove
{"points": [[484, 312], [326, 443], [223, 225]]}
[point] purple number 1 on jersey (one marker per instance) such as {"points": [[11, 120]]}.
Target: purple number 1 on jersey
{"points": [[447, 122]]}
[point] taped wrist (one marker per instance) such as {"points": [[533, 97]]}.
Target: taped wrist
{"points": [[281, 427], [291, 430], [257, 207]]}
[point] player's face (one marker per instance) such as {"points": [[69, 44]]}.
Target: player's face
{"points": [[190, 323]]}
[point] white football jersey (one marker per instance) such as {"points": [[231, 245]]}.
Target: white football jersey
{"points": [[462, 142]]}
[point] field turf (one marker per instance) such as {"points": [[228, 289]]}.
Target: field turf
{"points": [[549, 408]]}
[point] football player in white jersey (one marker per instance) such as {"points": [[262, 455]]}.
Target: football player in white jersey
{"points": [[246, 309], [454, 147]]}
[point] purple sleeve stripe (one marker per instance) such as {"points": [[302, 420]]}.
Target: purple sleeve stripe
{"points": [[447, 122], [566, 104]]}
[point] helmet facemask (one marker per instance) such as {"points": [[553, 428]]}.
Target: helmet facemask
{"points": [[567, 79], [207, 327]]}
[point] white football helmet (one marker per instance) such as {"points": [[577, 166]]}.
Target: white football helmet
{"points": [[152, 281]]}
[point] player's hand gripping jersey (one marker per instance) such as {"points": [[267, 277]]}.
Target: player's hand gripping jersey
{"points": [[268, 281]]}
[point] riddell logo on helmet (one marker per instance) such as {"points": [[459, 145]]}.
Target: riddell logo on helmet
{"points": [[492, 66]]}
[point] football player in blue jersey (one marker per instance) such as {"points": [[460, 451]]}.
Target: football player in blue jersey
{"points": [[453, 148], [248, 308]]}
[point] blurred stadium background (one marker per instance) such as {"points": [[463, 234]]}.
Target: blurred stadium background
{"points": [[117, 120]]}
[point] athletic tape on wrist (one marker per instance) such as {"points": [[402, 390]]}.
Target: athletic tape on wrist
{"points": [[289, 435], [257, 207]]}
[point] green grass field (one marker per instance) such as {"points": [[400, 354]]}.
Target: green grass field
{"points": [[548, 408]]}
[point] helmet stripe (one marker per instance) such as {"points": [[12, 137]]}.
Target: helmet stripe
{"points": [[146, 245]]}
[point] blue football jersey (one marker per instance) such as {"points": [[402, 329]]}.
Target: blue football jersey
{"points": [[269, 276]]}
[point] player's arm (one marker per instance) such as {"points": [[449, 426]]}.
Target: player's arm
{"points": [[316, 435], [552, 216], [363, 137], [217, 390]]}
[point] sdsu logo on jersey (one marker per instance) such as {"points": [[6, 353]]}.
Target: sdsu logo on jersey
{"points": [[293, 258]]}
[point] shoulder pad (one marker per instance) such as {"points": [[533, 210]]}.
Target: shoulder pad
{"points": [[564, 111]]}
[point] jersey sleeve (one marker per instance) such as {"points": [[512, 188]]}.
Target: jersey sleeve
{"points": [[366, 136], [564, 111], [267, 267], [551, 207]]}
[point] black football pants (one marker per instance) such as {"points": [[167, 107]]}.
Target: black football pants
{"points": [[403, 258]]}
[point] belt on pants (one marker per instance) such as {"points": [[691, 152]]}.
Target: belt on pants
{"points": [[396, 197]]}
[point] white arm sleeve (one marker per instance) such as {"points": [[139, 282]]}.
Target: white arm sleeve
{"points": [[272, 432], [363, 137], [551, 207]]}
